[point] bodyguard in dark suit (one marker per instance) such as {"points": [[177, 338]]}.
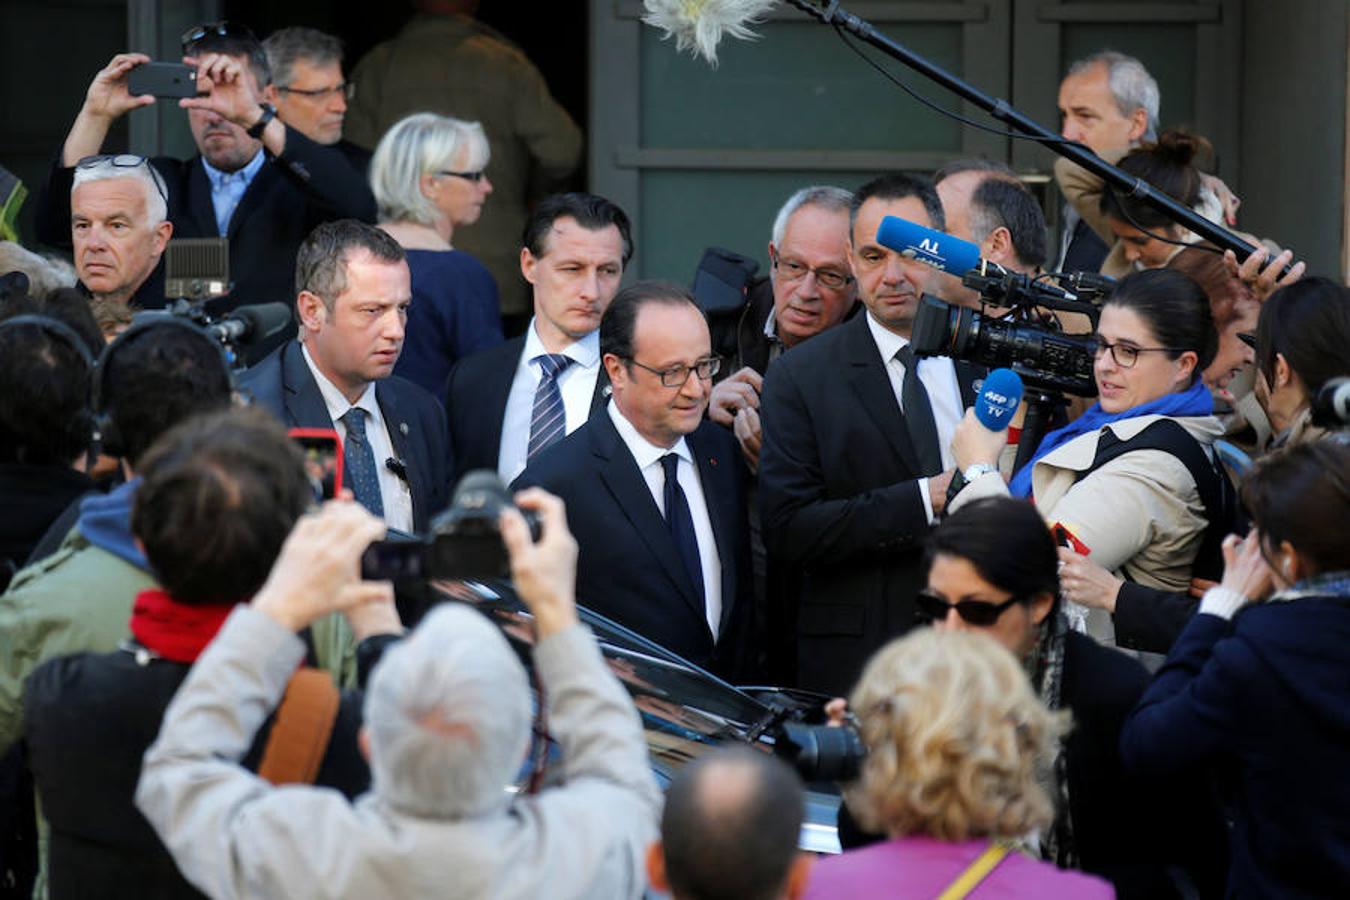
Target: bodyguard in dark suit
{"points": [[666, 556], [575, 248], [256, 181], [395, 450], [856, 462]]}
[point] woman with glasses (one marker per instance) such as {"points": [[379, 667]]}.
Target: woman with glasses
{"points": [[1258, 685], [992, 569], [1126, 483], [428, 178]]}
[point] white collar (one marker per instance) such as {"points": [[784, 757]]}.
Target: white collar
{"points": [[887, 341], [334, 399], [643, 450], [585, 351]]}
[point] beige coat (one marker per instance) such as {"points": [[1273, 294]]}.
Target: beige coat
{"points": [[1140, 514]]}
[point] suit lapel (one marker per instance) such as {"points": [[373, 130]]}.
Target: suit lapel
{"points": [[867, 375], [496, 393], [966, 375], [304, 404], [600, 396], [719, 496], [253, 194], [619, 471], [200, 209], [414, 469]]}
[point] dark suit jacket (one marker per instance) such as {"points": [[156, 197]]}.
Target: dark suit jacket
{"points": [[839, 499], [307, 185], [283, 385], [628, 568], [475, 402]]}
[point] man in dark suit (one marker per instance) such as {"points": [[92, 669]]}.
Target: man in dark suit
{"points": [[510, 402], [655, 494], [256, 181], [856, 458], [352, 308]]}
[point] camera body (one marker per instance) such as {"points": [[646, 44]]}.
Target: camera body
{"points": [[1022, 340], [463, 543]]}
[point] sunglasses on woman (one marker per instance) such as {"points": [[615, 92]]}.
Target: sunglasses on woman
{"points": [[932, 608]]}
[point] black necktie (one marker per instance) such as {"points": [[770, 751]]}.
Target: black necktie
{"points": [[918, 414], [681, 523]]}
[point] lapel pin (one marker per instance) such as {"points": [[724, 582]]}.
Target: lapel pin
{"points": [[403, 428], [712, 461]]}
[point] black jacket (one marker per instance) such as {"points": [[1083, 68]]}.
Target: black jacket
{"points": [[33, 497], [89, 719]]}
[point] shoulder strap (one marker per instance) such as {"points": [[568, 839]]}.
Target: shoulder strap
{"points": [[301, 729], [1217, 494], [974, 873]]}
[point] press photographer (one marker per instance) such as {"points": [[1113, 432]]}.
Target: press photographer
{"points": [[447, 724]]}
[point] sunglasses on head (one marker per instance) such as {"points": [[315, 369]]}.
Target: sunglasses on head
{"points": [[932, 608], [217, 29]]}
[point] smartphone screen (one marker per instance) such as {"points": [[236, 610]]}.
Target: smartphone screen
{"points": [[322, 450]]}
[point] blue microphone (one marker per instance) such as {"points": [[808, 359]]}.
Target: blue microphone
{"points": [[941, 251], [998, 399]]}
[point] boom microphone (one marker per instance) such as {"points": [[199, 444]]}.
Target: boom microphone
{"points": [[1331, 405], [946, 253], [999, 397], [697, 25]]}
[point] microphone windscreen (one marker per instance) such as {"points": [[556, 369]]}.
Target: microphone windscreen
{"points": [[942, 251], [998, 399], [264, 319], [697, 25]]}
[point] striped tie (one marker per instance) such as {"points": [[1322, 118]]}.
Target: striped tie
{"points": [[548, 421]]}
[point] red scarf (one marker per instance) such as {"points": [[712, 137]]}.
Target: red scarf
{"points": [[178, 632]]}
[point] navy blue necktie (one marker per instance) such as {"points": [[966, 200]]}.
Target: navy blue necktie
{"points": [[548, 419], [681, 523], [358, 462]]}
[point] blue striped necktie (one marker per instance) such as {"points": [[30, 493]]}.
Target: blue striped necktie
{"points": [[358, 462], [548, 420]]}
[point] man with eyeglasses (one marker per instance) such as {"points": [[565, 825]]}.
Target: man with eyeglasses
{"points": [[655, 494], [509, 403], [810, 288], [256, 181], [311, 93], [856, 458]]}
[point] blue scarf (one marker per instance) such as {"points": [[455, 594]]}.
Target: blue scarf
{"points": [[1194, 401]]}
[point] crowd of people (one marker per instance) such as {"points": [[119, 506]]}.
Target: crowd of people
{"points": [[1105, 660]]}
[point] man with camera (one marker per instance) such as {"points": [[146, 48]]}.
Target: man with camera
{"points": [[355, 289], [856, 459], [256, 181], [447, 724]]}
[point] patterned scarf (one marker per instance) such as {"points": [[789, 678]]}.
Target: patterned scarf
{"points": [[1046, 670]]}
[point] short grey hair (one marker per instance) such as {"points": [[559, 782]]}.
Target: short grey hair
{"points": [[287, 45], [825, 196], [1130, 83], [415, 146], [449, 716], [152, 182], [45, 273]]}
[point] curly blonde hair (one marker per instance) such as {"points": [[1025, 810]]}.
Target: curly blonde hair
{"points": [[958, 744]]}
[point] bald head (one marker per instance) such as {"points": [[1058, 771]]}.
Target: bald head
{"points": [[730, 828]]}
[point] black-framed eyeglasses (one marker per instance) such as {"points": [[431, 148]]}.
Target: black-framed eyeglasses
{"points": [[216, 29], [792, 271], [932, 608], [467, 176], [676, 376], [1125, 355], [124, 161], [346, 88]]}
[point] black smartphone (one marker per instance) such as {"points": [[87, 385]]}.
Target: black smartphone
{"points": [[162, 79], [323, 460]]}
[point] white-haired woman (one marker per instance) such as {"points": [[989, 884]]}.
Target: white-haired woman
{"points": [[957, 751], [428, 176]]}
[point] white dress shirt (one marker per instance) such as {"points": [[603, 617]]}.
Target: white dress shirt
{"points": [[394, 491], [648, 458], [576, 383], [944, 394]]}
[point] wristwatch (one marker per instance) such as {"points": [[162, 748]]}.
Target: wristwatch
{"points": [[965, 477], [255, 131]]}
